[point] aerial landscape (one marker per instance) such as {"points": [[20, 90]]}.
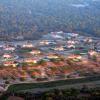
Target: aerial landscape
{"points": [[49, 49]]}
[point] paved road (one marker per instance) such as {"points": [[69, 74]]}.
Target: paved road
{"points": [[76, 83]]}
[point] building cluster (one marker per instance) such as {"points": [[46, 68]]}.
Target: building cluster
{"points": [[55, 56]]}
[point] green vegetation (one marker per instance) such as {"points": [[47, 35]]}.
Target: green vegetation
{"points": [[22, 79], [48, 16], [28, 86], [83, 93], [24, 50], [7, 82], [84, 51]]}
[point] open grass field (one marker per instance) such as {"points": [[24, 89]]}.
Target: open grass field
{"points": [[27, 86], [84, 51]]}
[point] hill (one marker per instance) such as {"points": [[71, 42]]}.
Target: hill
{"points": [[33, 18]]}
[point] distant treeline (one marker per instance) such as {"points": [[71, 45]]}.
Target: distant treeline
{"points": [[34, 18]]}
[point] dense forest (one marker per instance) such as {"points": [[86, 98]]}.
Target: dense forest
{"points": [[32, 19]]}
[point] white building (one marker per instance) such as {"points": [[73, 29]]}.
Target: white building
{"points": [[27, 45], [35, 52]]}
